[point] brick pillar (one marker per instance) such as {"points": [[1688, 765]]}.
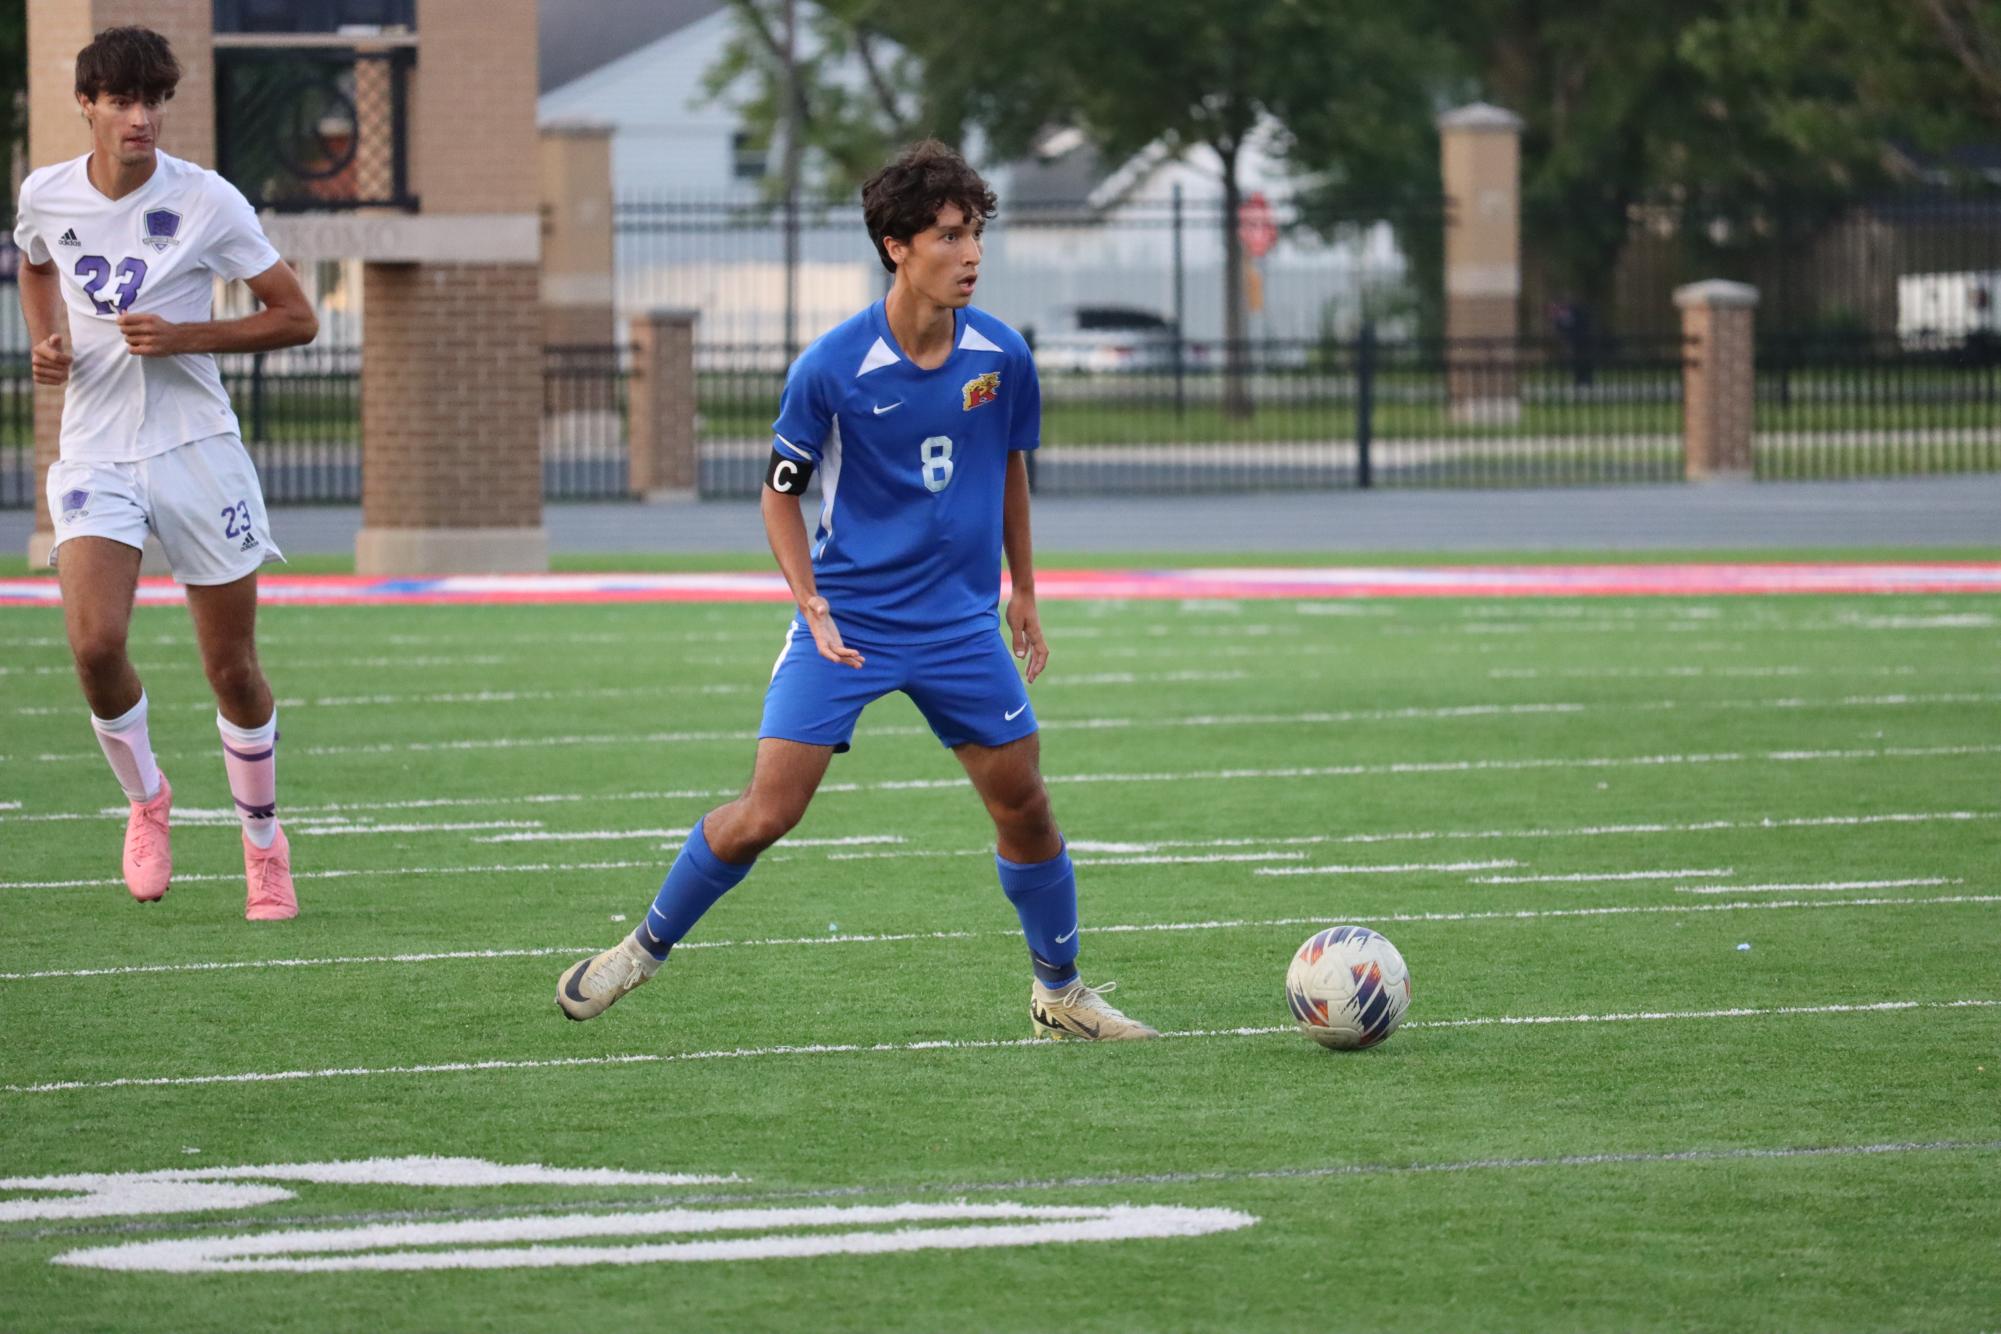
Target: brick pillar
{"points": [[1480, 160], [660, 431], [57, 30], [451, 366], [577, 235], [1719, 379]]}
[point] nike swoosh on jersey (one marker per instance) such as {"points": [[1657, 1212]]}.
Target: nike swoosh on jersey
{"points": [[880, 409], [1010, 717]]}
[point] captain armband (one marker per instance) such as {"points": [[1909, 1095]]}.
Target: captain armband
{"points": [[786, 475]]}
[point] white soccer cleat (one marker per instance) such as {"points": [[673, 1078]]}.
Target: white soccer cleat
{"points": [[1078, 1011], [588, 988]]}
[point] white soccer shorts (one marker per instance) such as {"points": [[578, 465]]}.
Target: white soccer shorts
{"points": [[201, 499]]}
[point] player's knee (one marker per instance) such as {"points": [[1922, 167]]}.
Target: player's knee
{"points": [[100, 655], [1025, 815], [764, 823], [235, 679]]}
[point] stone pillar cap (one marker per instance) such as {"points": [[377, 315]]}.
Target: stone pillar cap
{"points": [[1716, 292], [1481, 116], [668, 315]]}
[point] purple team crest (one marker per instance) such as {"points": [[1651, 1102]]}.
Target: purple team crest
{"points": [[74, 501], [162, 228]]}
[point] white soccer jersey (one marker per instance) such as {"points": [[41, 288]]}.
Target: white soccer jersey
{"points": [[158, 250]]}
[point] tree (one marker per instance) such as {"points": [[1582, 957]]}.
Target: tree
{"points": [[1129, 73], [13, 84]]}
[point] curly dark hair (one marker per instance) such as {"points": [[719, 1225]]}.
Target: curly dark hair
{"points": [[127, 62], [904, 197]]}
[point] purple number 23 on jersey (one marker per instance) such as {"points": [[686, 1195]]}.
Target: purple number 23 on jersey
{"points": [[95, 270]]}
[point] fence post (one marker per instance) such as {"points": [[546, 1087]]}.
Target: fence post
{"points": [[1180, 315], [660, 411], [1365, 403], [1719, 378]]}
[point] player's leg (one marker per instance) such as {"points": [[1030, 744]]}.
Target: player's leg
{"points": [[209, 512], [971, 694], [225, 619], [99, 577], [720, 851], [809, 714]]}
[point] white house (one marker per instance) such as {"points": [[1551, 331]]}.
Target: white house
{"points": [[639, 66]]}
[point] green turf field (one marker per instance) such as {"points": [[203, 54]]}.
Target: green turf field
{"points": [[1804, 1134]]}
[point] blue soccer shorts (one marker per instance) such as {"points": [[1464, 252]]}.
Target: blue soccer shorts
{"points": [[968, 689]]}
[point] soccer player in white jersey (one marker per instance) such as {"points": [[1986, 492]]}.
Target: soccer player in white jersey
{"points": [[918, 412], [132, 241]]}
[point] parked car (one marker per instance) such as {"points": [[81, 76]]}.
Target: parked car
{"points": [[1112, 340]]}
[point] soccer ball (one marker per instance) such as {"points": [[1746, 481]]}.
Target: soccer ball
{"points": [[1348, 987]]}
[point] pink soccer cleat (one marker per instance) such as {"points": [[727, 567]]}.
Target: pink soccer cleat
{"points": [[269, 873], [149, 853]]}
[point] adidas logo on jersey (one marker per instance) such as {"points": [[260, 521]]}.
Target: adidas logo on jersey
{"points": [[68, 238]]}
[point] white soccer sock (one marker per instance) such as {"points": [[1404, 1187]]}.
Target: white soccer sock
{"points": [[130, 750], [250, 755]]}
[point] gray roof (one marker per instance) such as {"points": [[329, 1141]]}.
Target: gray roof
{"points": [[578, 36], [1067, 179]]}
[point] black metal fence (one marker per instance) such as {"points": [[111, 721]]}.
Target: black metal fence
{"points": [[584, 415], [1319, 414], [1303, 414], [1834, 407]]}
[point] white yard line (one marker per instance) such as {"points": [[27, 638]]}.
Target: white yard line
{"points": [[898, 937], [1815, 886], [1387, 870], [1318, 718], [1599, 877], [947, 1044]]}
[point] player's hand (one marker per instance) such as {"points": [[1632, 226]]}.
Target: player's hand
{"points": [[51, 359], [826, 637], [1025, 625], [151, 336]]}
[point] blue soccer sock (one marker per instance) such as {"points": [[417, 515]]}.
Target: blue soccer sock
{"points": [[696, 880], [1044, 895]]}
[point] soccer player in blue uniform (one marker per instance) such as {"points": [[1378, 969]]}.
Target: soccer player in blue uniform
{"points": [[917, 413]]}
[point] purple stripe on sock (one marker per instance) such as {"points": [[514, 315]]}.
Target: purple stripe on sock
{"points": [[250, 755], [257, 812]]}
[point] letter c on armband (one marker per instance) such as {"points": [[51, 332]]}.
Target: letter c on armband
{"points": [[787, 476]]}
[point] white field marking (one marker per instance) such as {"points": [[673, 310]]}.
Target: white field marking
{"points": [[197, 1189], [214, 817], [374, 1247], [1599, 877], [901, 937], [1449, 835], [219, 966], [1824, 885], [388, 700], [542, 868], [603, 835], [1310, 719], [954, 1044], [1388, 870], [1188, 858], [1688, 673]]}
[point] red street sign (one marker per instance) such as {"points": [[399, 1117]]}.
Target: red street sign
{"points": [[1256, 227]]}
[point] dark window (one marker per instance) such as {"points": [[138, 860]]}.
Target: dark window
{"points": [[313, 15], [751, 157]]}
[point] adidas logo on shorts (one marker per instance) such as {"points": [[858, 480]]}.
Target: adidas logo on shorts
{"points": [[249, 541], [68, 238]]}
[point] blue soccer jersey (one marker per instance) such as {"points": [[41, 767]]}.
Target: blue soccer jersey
{"points": [[913, 468]]}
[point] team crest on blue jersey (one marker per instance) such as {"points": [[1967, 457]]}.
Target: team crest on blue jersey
{"points": [[73, 503], [163, 227], [981, 389]]}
